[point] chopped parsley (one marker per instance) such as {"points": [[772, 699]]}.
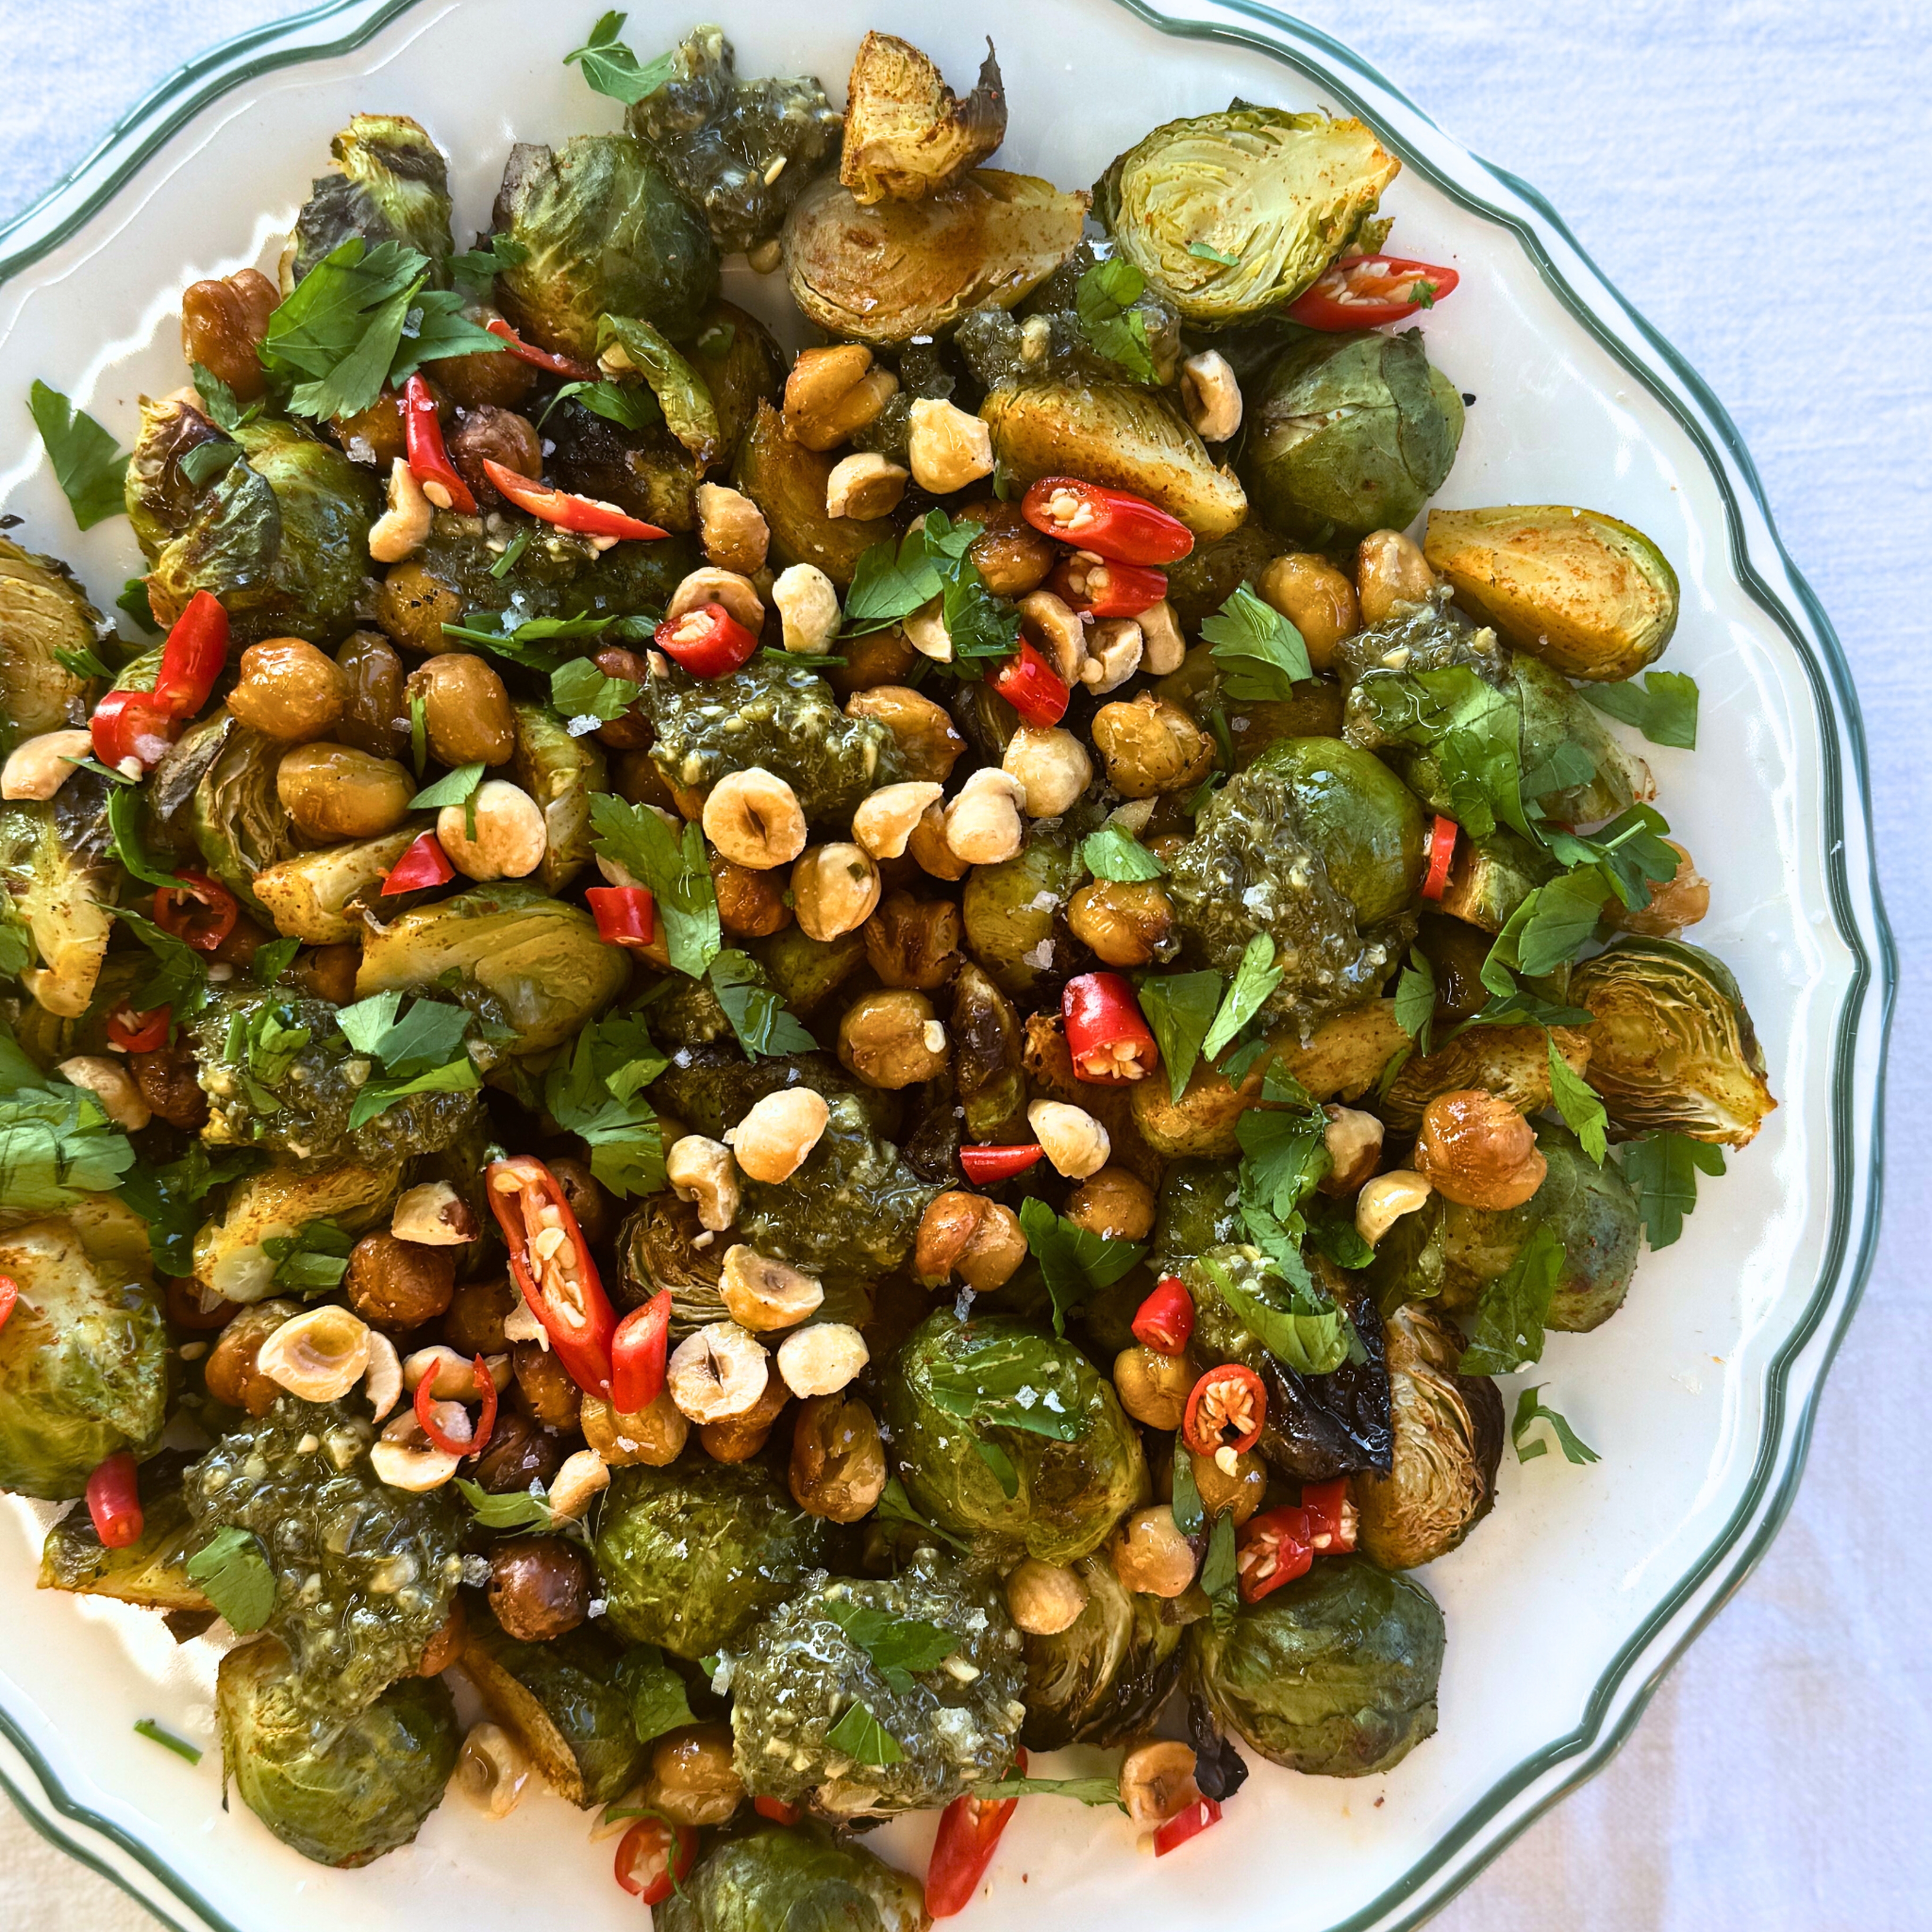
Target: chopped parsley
{"points": [[90, 467]]}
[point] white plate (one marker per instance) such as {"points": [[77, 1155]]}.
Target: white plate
{"points": [[1579, 1589]]}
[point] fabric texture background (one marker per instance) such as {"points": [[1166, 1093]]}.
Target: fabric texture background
{"points": [[1755, 175]]}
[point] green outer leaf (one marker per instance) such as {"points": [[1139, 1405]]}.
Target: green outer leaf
{"points": [[1254, 978], [1577, 1101], [1113, 853], [682, 393], [1529, 1411], [1179, 1007], [895, 1506], [1665, 710], [89, 466], [1507, 1334], [232, 1571], [862, 1737], [1261, 655], [1662, 1170]]}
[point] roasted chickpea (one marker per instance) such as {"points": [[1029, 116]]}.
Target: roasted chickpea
{"points": [[395, 1285], [692, 1779], [655, 1435], [981, 1239], [231, 1373], [543, 1387], [1012, 557], [742, 1438], [539, 1586], [893, 1040], [1113, 1203], [928, 849], [1151, 1556], [375, 436], [1475, 1148], [928, 745], [224, 325], [1681, 900], [466, 714], [412, 606], [831, 394], [1390, 570], [328, 972], [911, 943], [879, 658], [485, 377], [1151, 746], [1122, 923], [289, 690], [834, 889], [1316, 599], [520, 1453], [478, 1309], [1240, 1489], [1043, 1599], [332, 792], [587, 1196], [376, 717], [487, 434], [1153, 1388], [446, 1646], [837, 1463], [166, 1079]]}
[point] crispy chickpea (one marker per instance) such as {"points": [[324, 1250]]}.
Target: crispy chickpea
{"points": [[1012, 557], [742, 1438], [396, 1285], [539, 1587], [1316, 599], [466, 711], [880, 657], [485, 378], [478, 1309], [1476, 1149], [587, 1196], [750, 904], [928, 745], [1043, 1599], [231, 1373], [928, 848], [655, 1435], [1123, 923], [446, 1646], [223, 324], [376, 435], [488, 434], [1153, 1388], [1241, 1489], [289, 690], [1150, 745], [1390, 570], [412, 606], [332, 792], [375, 718], [980, 1240], [692, 1779], [911, 943], [838, 1463], [834, 889], [329, 972], [520, 1453], [893, 1040], [166, 1078], [545, 1387], [1113, 1203], [1151, 1556]]}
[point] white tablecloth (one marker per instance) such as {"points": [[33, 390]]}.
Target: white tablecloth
{"points": [[1756, 176]]}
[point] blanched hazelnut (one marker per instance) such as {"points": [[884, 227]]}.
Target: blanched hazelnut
{"points": [[655, 1436], [1114, 650], [1157, 1782], [864, 484], [732, 528], [701, 1169], [831, 394], [925, 630], [1113, 1203], [1353, 1140], [834, 889], [39, 766], [754, 818], [511, 838], [320, 1355], [983, 823], [1386, 1199], [1073, 1142], [893, 1040], [736, 592], [1055, 627], [399, 530], [1043, 1599], [1478, 1151], [948, 448], [885, 818], [1390, 570], [771, 1143], [717, 1374], [1153, 1388], [112, 1085], [981, 1240], [821, 1360], [1162, 647], [584, 1475], [433, 1215], [1151, 1556], [761, 1292], [1210, 396], [1051, 767], [808, 607]]}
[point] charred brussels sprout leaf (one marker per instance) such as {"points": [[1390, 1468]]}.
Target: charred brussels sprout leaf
{"points": [[47, 629], [692, 1555], [794, 1879], [235, 817], [55, 885], [606, 232], [237, 1257], [1101, 1679], [560, 771], [151, 1570], [907, 134], [341, 1790], [804, 1668], [393, 187], [1237, 212], [1334, 1674]]}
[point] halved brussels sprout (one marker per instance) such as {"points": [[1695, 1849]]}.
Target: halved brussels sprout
{"points": [[886, 274], [907, 135], [55, 868], [1334, 1674], [230, 1258], [1349, 433], [1123, 436], [1554, 715], [691, 1555], [1448, 1440], [237, 818], [83, 1362], [1588, 595], [42, 611], [800, 1671], [987, 1066], [1200, 1209], [364, 1573], [1015, 913], [1672, 1047], [797, 1878], [341, 1791], [605, 232], [564, 1699], [559, 772], [1237, 212], [1102, 1679], [967, 1403], [787, 482], [657, 1250], [148, 1571], [522, 959], [1511, 1062], [393, 186], [308, 897]]}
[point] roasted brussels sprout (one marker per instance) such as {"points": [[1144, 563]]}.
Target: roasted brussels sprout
{"points": [[233, 1257], [43, 611], [1034, 1415], [83, 1362], [788, 481], [1448, 1439], [886, 274], [522, 959], [987, 1067], [148, 1571], [1672, 1047], [1102, 1678], [692, 1555], [1125, 437], [906, 133], [364, 1573], [1334, 1674], [559, 772], [742, 151], [1237, 212], [606, 232], [1015, 913], [1555, 715], [657, 1250], [800, 1672], [1588, 595], [57, 881], [1200, 1209], [1349, 433], [237, 820], [280, 535], [310, 896], [343, 1790], [393, 187], [798, 1878], [1512, 1062], [564, 1700]]}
